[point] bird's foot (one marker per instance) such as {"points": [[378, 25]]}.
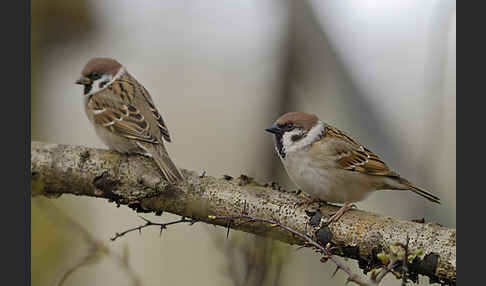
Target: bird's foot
{"points": [[336, 216], [307, 201]]}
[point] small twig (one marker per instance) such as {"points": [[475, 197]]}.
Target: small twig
{"points": [[82, 262], [405, 264], [405, 261], [385, 271], [150, 223], [391, 265]]}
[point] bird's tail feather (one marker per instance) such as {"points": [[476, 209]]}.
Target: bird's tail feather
{"points": [[166, 166], [420, 191]]}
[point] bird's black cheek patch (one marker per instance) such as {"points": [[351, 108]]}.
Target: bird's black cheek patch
{"points": [[103, 83], [296, 137]]}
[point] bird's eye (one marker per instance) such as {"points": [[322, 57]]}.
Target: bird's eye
{"points": [[286, 126], [95, 76]]}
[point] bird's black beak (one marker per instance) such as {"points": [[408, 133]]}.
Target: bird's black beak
{"points": [[83, 80], [274, 129]]}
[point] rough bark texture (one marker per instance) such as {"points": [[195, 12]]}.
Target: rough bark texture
{"points": [[134, 181]]}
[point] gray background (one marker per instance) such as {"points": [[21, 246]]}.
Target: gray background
{"points": [[219, 73]]}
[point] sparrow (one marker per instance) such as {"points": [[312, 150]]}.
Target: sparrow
{"points": [[330, 165], [124, 115]]}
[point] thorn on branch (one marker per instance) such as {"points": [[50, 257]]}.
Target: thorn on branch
{"points": [[229, 227], [335, 271]]}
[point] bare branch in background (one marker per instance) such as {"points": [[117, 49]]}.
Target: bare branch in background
{"points": [[250, 259], [96, 248], [135, 181]]}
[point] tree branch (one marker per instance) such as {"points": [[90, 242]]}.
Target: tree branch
{"points": [[134, 181]]}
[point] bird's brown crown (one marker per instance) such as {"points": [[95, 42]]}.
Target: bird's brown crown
{"points": [[301, 119], [101, 65]]}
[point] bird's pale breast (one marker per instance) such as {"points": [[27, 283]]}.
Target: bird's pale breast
{"points": [[327, 183]]}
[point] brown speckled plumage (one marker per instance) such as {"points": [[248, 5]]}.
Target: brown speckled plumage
{"points": [[125, 116], [330, 165]]}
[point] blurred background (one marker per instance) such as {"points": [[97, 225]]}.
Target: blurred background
{"points": [[220, 72]]}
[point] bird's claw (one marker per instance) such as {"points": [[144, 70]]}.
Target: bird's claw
{"points": [[308, 201], [337, 215]]}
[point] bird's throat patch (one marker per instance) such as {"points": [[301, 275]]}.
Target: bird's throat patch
{"points": [[87, 88]]}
